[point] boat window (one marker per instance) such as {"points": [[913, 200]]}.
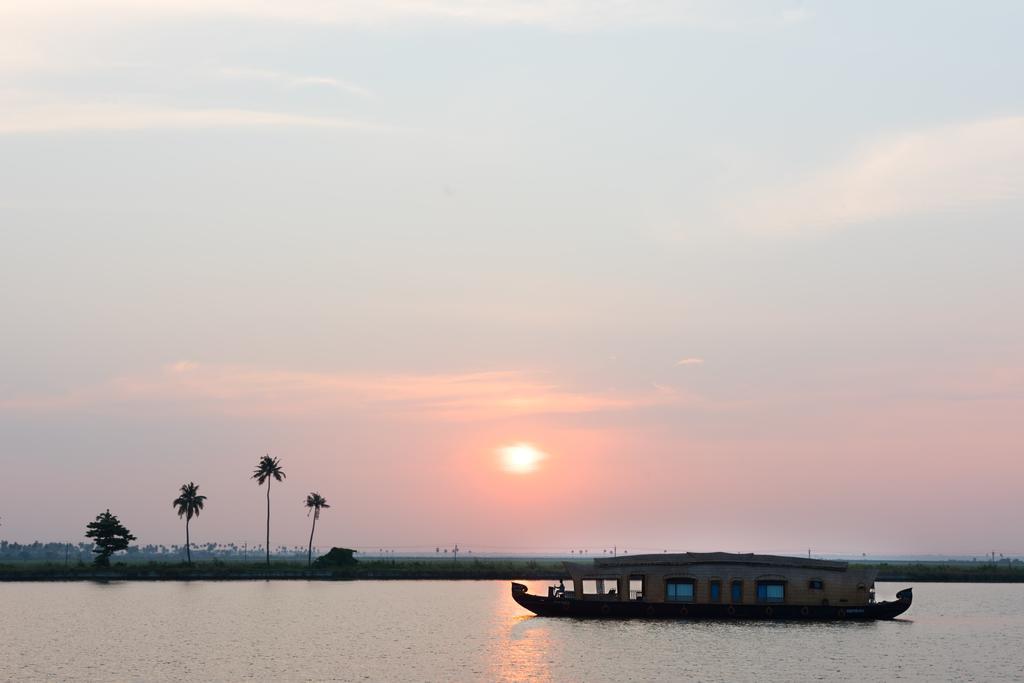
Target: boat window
{"points": [[600, 586], [636, 588], [816, 584], [679, 590], [737, 591], [716, 591], [771, 591]]}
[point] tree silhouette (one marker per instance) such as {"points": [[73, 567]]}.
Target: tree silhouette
{"points": [[315, 502], [109, 535], [189, 503], [268, 468]]}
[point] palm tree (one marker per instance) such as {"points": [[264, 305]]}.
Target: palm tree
{"points": [[267, 469], [315, 502], [189, 504]]}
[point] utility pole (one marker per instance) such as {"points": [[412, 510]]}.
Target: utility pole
{"points": [[455, 553]]}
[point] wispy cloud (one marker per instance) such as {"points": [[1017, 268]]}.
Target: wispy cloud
{"points": [[690, 361], [293, 81], [561, 14], [939, 169], [795, 15], [18, 115], [236, 390]]}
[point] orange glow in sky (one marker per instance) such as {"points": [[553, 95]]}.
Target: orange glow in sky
{"points": [[515, 330], [520, 458]]}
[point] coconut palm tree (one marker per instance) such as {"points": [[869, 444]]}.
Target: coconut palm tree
{"points": [[268, 468], [189, 503], [315, 502]]}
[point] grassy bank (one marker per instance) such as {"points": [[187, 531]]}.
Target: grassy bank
{"points": [[479, 569], [975, 572], [238, 571]]}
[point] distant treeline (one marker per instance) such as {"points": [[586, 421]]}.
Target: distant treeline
{"points": [[972, 572], [216, 569], [83, 552], [424, 568]]}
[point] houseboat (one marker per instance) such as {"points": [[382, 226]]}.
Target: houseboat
{"points": [[715, 586]]}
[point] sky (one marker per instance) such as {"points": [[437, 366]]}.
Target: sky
{"points": [[744, 276]]}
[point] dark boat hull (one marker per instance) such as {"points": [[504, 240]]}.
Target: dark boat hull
{"points": [[620, 609]]}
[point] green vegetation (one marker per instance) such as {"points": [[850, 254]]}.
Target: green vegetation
{"points": [[268, 468], [339, 565], [109, 535], [189, 504], [315, 502], [968, 572], [218, 570]]}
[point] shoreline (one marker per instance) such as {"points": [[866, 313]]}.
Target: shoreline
{"points": [[421, 571]]}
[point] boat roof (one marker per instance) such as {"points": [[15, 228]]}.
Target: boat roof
{"points": [[748, 559]]}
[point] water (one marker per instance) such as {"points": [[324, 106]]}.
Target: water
{"points": [[472, 631]]}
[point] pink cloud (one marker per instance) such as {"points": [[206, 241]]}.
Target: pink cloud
{"points": [[241, 390]]}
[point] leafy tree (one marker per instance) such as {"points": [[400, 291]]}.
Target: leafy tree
{"points": [[315, 502], [109, 535], [268, 468], [189, 504]]}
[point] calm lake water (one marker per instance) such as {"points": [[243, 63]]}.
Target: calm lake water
{"points": [[472, 631]]}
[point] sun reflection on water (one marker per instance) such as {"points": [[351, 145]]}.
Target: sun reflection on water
{"points": [[523, 644]]}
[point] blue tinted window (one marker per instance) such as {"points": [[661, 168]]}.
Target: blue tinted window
{"points": [[716, 591], [679, 591], [737, 591], [771, 591]]}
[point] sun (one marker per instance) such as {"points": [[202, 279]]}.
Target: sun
{"points": [[520, 458]]}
